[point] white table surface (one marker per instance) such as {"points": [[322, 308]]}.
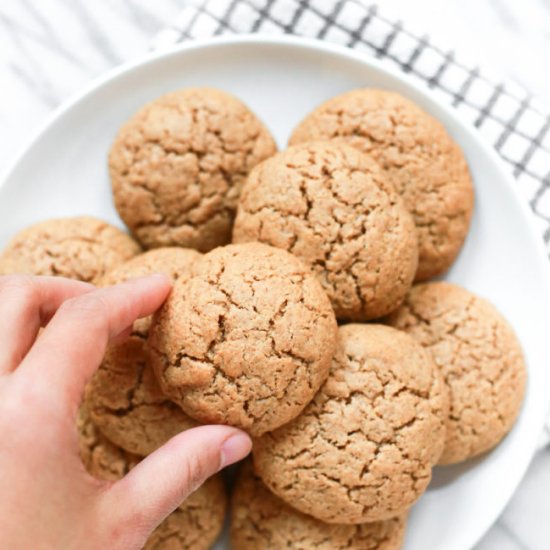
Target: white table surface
{"points": [[52, 48]]}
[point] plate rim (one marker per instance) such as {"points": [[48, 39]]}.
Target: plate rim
{"points": [[312, 44]]}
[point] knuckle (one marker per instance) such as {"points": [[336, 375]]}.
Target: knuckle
{"points": [[196, 472], [11, 411], [123, 535], [17, 419], [25, 391], [126, 528], [87, 311], [89, 305], [22, 286]]}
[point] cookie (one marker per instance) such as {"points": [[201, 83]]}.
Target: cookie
{"points": [[247, 340], [480, 358], [82, 248], [177, 167], [124, 398], [198, 521], [101, 458], [418, 157], [363, 449], [329, 204], [172, 261], [259, 519]]}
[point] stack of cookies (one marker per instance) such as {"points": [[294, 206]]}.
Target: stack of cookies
{"points": [[301, 312]]}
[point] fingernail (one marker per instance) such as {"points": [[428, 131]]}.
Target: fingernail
{"points": [[235, 448]]}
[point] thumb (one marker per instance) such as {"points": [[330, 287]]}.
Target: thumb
{"points": [[160, 482]]}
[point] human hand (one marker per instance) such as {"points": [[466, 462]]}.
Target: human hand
{"points": [[47, 499]]}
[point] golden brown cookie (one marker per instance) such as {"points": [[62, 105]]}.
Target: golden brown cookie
{"points": [[419, 158], [177, 167], [101, 458], [173, 261], [82, 248], [247, 340], [363, 449], [480, 358], [198, 521], [124, 398], [328, 204], [260, 520]]}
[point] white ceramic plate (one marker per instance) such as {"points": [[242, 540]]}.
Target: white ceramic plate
{"points": [[63, 172]]}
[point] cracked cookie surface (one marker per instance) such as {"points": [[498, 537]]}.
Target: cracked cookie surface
{"points": [[194, 525], [364, 448], [177, 167], [82, 248], [480, 358], [247, 340], [124, 398], [259, 519], [419, 158], [328, 204]]}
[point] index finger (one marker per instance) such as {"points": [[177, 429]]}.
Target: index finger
{"points": [[27, 303], [73, 344]]}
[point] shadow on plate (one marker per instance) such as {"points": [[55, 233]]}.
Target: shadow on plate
{"points": [[444, 475]]}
